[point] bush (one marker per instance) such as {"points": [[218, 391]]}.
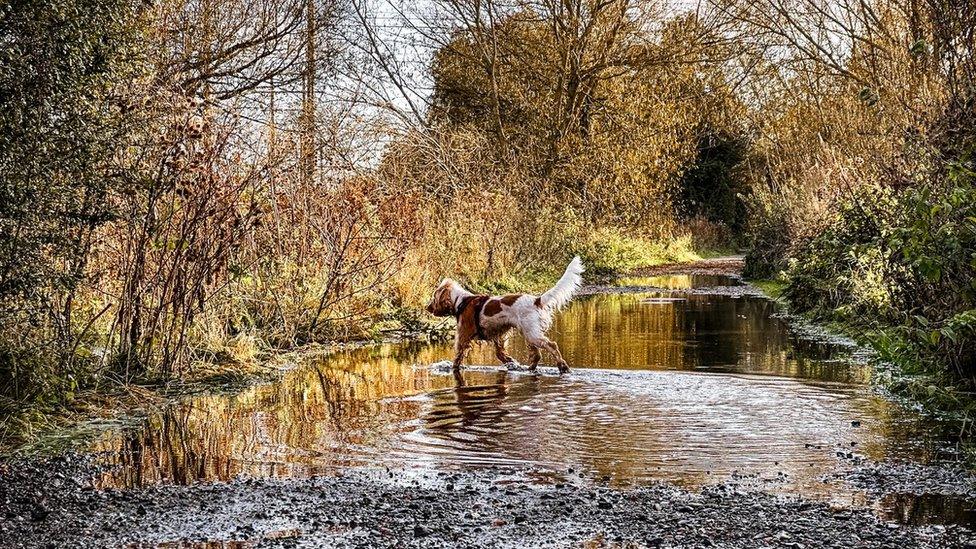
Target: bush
{"points": [[903, 263], [933, 270], [59, 129], [833, 271]]}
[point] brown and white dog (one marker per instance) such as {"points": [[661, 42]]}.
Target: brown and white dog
{"points": [[490, 318]]}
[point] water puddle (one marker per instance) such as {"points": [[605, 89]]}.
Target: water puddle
{"points": [[917, 509], [691, 389], [677, 282]]}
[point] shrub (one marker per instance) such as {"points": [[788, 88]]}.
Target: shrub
{"points": [[902, 262]]}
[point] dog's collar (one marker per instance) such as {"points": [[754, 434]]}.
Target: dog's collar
{"points": [[461, 304]]}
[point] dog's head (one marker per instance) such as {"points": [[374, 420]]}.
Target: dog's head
{"points": [[442, 302]]}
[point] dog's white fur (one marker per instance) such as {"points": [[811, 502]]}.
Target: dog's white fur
{"points": [[531, 315]]}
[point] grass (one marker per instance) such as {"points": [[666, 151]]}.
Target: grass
{"points": [[606, 253], [772, 288], [611, 252]]}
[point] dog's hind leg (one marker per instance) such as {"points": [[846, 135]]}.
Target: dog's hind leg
{"points": [[551, 346]]}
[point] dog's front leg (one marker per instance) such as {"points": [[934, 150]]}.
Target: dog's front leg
{"points": [[500, 351], [458, 378], [461, 345]]}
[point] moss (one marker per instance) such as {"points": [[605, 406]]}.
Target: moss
{"points": [[773, 288]]}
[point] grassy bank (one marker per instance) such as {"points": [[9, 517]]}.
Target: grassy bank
{"points": [[895, 269], [772, 288]]}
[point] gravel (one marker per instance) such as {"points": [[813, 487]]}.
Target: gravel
{"points": [[52, 503]]}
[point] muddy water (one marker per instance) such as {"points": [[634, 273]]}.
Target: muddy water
{"points": [[691, 388]]}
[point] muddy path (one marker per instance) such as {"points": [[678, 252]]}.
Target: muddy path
{"points": [[696, 416]]}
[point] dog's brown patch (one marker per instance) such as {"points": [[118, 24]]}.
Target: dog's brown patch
{"points": [[538, 302], [444, 301], [467, 328], [492, 307], [510, 299]]}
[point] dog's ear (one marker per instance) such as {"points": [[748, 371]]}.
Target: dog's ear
{"points": [[441, 302]]}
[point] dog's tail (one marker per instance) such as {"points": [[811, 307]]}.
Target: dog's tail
{"points": [[560, 294]]}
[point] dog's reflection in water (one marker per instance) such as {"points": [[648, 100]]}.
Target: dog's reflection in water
{"points": [[479, 405]]}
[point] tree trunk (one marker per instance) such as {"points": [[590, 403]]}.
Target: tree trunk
{"points": [[307, 163]]}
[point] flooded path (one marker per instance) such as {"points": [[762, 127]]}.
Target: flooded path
{"points": [[692, 388], [693, 380]]}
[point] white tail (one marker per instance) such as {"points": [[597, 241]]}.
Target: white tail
{"points": [[560, 294]]}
